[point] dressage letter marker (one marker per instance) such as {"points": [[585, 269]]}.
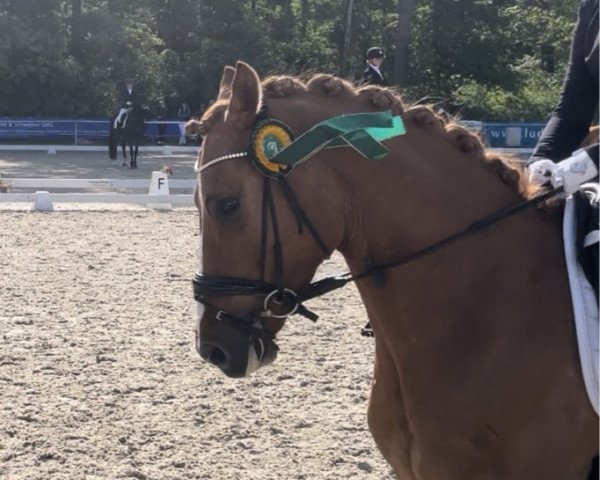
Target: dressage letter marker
{"points": [[159, 185]]}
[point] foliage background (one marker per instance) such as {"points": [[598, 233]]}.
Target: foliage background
{"points": [[483, 59]]}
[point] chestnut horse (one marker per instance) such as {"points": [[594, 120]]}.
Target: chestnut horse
{"points": [[476, 372]]}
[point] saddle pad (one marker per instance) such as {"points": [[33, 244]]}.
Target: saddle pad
{"points": [[585, 308]]}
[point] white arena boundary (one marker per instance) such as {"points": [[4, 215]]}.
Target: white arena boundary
{"points": [[88, 183], [53, 149], [158, 196]]}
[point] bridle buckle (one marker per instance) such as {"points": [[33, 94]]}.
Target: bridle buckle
{"points": [[271, 297]]}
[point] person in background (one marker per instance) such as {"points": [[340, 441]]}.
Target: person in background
{"points": [[183, 115], [127, 95], [161, 114], [571, 120], [372, 75]]}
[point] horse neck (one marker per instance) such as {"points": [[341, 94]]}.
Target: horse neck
{"points": [[135, 121], [424, 192]]}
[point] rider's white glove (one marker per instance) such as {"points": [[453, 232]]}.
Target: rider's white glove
{"points": [[573, 171], [540, 171]]}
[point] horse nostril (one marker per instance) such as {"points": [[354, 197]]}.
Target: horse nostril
{"points": [[223, 358], [216, 356]]}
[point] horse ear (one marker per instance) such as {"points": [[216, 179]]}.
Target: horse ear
{"points": [[245, 91], [226, 81]]}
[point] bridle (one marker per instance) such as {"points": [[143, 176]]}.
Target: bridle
{"points": [[285, 300], [276, 295]]}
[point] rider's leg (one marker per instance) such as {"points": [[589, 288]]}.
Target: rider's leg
{"points": [[119, 117]]}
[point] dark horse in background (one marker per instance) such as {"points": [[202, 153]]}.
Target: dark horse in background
{"points": [[130, 132]]}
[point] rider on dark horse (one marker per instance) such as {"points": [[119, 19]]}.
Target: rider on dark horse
{"points": [[128, 126], [127, 96]]}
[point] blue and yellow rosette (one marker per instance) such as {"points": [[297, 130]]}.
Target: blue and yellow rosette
{"points": [[275, 151], [268, 139]]}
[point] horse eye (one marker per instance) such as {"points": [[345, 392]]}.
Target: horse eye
{"points": [[227, 206]]}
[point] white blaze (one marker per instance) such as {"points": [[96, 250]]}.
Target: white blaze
{"points": [[254, 358]]}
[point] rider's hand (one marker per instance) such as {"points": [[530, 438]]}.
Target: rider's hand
{"points": [[573, 171], [540, 172]]}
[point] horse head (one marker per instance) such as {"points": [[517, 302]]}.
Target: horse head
{"points": [[255, 236], [268, 218]]}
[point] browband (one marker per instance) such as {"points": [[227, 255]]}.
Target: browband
{"points": [[274, 151]]}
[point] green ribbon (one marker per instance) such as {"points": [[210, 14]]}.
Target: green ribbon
{"points": [[362, 131]]}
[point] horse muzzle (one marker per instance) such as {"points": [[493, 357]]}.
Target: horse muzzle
{"points": [[241, 361], [237, 348]]}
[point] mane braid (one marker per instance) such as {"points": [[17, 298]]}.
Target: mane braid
{"points": [[508, 169]]}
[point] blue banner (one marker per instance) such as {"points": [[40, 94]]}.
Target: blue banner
{"points": [[171, 129], [17, 127], [24, 127], [512, 135]]}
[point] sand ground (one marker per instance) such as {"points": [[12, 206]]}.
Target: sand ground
{"points": [[99, 378]]}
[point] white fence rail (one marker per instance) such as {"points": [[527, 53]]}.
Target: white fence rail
{"points": [[158, 195], [52, 149], [100, 198], [88, 183]]}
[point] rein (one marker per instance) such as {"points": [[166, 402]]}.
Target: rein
{"points": [[328, 284], [220, 286], [276, 294]]}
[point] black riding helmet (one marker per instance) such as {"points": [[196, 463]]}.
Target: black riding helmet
{"points": [[374, 52]]}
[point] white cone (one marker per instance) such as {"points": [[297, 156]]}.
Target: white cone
{"points": [[159, 185]]}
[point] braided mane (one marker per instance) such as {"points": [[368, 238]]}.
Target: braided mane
{"points": [[508, 169]]}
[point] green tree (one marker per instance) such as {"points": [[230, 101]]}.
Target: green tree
{"points": [[487, 58]]}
